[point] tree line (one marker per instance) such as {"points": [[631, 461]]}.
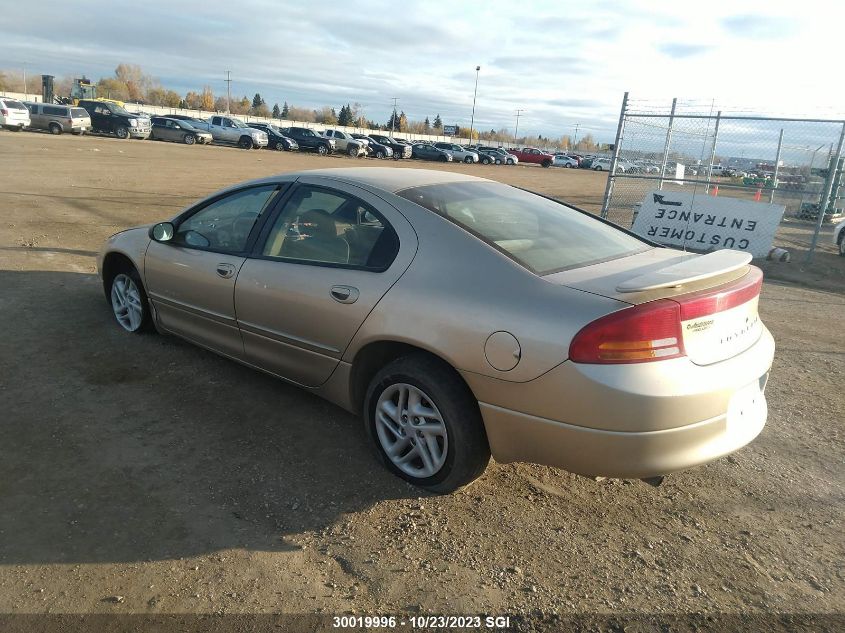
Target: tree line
{"points": [[131, 83]]}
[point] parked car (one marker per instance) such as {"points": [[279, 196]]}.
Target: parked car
{"points": [[57, 119], [228, 129], [486, 156], [562, 160], [425, 151], [533, 155], [586, 162], [167, 129], [455, 316], [399, 147], [310, 140], [346, 143], [503, 157], [276, 138], [108, 117], [374, 148], [13, 114], [603, 164], [839, 237], [459, 153]]}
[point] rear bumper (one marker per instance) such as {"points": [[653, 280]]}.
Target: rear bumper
{"points": [[628, 421], [515, 436]]}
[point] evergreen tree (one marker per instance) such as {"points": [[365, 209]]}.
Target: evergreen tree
{"points": [[438, 123], [257, 101], [277, 114], [345, 116], [426, 125], [285, 110]]}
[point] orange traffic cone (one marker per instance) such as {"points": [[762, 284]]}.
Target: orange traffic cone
{"points": [[714, 191], [758, 194]]}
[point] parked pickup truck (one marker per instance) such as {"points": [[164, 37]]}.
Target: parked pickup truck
{"points": [[227, 129], [346, 143], [533, 155]]}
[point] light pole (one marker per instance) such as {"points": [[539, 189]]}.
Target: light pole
{"points": [[393, 118], [474, 95], [516, 130], [228, 90], [25, 87], [575, 142]]}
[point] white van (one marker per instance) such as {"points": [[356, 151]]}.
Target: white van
{"points": [[13, 114]]}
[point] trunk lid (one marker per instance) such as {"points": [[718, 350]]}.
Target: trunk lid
{"points": [[718, 295]]}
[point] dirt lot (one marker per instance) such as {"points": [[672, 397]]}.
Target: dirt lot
{"points": [[144, 475]]}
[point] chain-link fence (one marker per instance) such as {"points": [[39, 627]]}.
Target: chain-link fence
{"points": [[788, 166]]}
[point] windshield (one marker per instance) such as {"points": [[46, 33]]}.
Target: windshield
{"points": [[543, 235], [116, 109], [239, 123]]}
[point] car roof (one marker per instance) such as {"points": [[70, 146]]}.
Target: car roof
{"points": [[388, 178]]}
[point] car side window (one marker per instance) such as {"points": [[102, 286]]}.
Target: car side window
{"points": [[225, 225], [330, 227]]}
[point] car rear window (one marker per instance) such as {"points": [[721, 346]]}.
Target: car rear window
{"points": [[78, 112], [543, 235], [14, 105]]}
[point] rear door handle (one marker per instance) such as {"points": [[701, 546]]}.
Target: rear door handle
{"points": [[345, 294], [225, 270]]}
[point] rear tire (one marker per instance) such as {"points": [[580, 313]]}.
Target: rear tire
{"points": [[380, 154], [55, 128], [485, 161], [444, 446], [842, 243], [443, 159]]}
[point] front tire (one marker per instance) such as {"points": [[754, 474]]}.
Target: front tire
{"points": [[352, 151], [189, 139], [280, 146], [129, 302], [468, 159], [322, 150], [245, 142], [443, 159], [546, 163], [122, 132], [842, 243], [425, 424], [485, 161]]}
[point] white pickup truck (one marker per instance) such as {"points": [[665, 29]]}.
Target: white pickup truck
{"points": [[347, 143], [228, 129]]}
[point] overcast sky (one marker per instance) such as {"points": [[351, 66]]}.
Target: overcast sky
{"points": [[564, 63]]}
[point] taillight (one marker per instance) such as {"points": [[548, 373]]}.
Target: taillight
{"points": [[652, 331], [698, 304], [4, 112], [646, 332]]}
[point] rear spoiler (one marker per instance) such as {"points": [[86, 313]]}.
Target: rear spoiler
{"points": [[696, 268]]}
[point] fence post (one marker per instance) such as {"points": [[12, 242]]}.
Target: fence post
{"points": [[777, 162], [668, 144], [608, 190], [828, 192], [713, 152]]}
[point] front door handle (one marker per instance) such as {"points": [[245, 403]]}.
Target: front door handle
{"points": [[225, 270], [345, 294]]}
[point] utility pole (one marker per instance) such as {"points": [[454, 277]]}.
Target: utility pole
{"points": [[25, 88], [393, 118], [575, 142], [228, 90], [516, 130], [474, 95]]}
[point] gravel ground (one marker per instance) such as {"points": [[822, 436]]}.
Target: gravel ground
{"points": [[144, 475]]}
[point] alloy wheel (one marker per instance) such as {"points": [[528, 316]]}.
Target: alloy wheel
{"points": [[411, 430], [126, 303]]}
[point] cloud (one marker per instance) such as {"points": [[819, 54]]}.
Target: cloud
{"points": [[681, 50], [759, 26]]}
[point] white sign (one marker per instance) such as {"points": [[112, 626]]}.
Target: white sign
{"points": [[706, 223]]}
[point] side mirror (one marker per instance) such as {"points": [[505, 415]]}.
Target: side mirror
{"points": [[162, 232]]}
